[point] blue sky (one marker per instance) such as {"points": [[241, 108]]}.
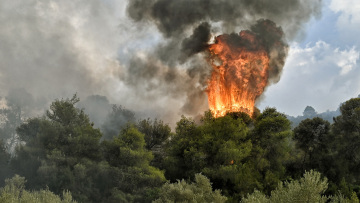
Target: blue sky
{"points": [[322, 69]]}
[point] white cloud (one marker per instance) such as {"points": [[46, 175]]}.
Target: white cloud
{"points": [[348, 22], [319, 75], [346, 59], [348, 8]]}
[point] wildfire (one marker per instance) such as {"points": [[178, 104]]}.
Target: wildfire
{"points": [[241, 67]]}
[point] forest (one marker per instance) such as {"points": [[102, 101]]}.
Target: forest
{"points": [[62, 156]]}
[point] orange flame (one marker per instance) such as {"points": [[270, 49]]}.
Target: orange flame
{"points": [[240, 73]]}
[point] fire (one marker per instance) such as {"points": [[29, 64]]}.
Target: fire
{"points": [[240, 73]]}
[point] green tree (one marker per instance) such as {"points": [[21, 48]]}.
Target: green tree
{"points": [[14, 191], [217, 148], [346, 132], [308, 189], [137, 180], [61, 150], [346, 129], [156, 136], [271, 150], [65, 128], [183, 158], [236, 152], [226, 147], [181, 191], [156, 132], [313, 137]]}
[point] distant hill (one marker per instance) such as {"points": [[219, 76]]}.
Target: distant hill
{"points": [[310, 112]]}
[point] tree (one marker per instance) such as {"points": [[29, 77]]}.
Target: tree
{"points": [[62, 150], [217, 148], [226, 147], [270, 154], [309, 112], [65, 113], [181, 191], [183, 159], [136, 179], [346, 129], [65, 128], [156, 136], [236, 152], [310, 188], [58, 148], [156, 132], [14, 191], [5, 171], [346, 132], [313, 137]]}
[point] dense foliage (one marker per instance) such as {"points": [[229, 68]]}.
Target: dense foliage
{"points": [[224, 159], [309, 188], [14, 191], [181, 191]]}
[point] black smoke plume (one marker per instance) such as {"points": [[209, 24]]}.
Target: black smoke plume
{"points": [[187, 26]]}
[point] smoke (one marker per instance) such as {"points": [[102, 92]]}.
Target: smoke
{"points": [[273, 39], [173, 18], [54, 49], [146, 55], [97, 107], [187, 26], [198, 41], [109, 118]]}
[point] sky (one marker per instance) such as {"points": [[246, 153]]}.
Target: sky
{"points": [[322, 69], [53, 49]]}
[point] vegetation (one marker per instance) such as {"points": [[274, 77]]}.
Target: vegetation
{"points": [[309, 188], [14, 191], [216, 159], [181, 191]]}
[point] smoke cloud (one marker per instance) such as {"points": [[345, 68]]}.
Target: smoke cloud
{"points": [[173, 18], [146, 55], [187, 27], [54, 49]]}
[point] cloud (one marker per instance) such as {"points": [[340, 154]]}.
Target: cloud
{"points": [[346, 59], [348, 22], [349, 10], [318, 75]]}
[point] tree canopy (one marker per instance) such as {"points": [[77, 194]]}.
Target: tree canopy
{"points": [[203, 160]]}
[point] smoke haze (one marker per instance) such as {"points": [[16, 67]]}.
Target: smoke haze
{"points": [[146, 55]]}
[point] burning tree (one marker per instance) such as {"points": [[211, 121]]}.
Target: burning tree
{"points": [[243, 65]]}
